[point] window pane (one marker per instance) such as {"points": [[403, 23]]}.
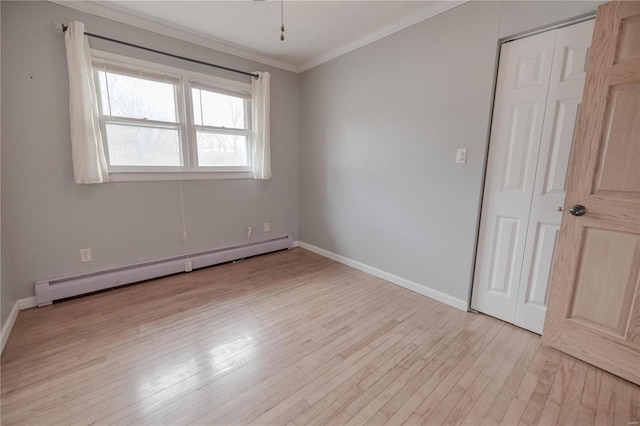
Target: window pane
{"points": [[142, 146], [218, 110], [124, 96], [222, 150]]}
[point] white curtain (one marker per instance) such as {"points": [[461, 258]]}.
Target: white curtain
{"points": [[261, 97], [89, 162]]}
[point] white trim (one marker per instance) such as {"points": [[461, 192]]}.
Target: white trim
{"points": [[429, 12], [173, 32], [8, 325], [296, 243], [402, 282], [143, 176], [184, 126], [19, 305], [127, 63], [571, 21], [27, 302]]}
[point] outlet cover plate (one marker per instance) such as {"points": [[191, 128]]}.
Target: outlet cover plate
{"points": [[85, 255]]}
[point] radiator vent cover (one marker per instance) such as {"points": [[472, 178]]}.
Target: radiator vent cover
{"points": [[62, 288]]}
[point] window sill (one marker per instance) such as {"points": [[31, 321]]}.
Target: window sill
{"points": [[129, 176]]}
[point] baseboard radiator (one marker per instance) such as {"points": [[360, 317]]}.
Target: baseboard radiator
{"points": [[62, 288]]}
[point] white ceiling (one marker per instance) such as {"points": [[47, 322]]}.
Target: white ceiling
{"points": [[316, 31]]}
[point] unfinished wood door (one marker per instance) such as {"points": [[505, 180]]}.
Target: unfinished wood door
{"points": [[594, 302]]}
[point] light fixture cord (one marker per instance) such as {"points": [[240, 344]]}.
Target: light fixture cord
{"points": [[281, 20]]}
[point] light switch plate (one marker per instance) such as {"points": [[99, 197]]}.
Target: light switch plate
{"points": [[461, 156]]}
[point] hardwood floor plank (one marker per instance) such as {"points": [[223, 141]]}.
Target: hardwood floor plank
{"points": [[480, 373], [433, 358], [52, 362], [309, 377], [606, 406], [366, 394], [438, 369], [561, 381], [521, 345], [363, 361], [540, 393], [289, 338], [446, 394], [550, 414], [635, 403], [511, 379], [571, 401], [410, 364], [183, 401], [378, 419], [624, 407], [204, 400]]}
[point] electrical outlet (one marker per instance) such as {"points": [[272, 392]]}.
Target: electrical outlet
{"points": [[85, 255], [266, 227], [249, 230]]}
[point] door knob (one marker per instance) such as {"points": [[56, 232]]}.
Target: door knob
{"points": [[578, 210]]}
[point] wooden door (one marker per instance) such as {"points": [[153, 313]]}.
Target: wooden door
{"points": [[566, 85], [594, 301], [521, 93]]}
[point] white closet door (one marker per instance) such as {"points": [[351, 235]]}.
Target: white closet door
{"points": [[561, 113], [521, 95]]}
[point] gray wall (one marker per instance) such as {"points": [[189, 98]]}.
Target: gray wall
{"points": [[47, 218], [378, 132], [379, 128], [7, 298]]}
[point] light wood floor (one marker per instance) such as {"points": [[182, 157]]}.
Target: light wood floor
{"points": [[290, 338]]}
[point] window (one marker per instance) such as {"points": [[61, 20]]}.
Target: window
{"points": [[141, 119], [158, 121], [222, 128]]}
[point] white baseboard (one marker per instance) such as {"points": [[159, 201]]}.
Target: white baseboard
{"points": [[27, 302], [402, 282], [20, 304], [53, 289], [296, 243], [8, 325]]}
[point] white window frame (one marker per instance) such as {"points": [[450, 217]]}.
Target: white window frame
{"points": [[186, 123]]}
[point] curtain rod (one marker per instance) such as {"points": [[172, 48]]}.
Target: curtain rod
{"points": [[65, 27]]}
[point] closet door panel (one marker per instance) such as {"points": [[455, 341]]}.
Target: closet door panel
{"points": [[519, 110], [562, 107]]}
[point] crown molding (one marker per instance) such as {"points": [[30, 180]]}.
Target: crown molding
{"points": [[242, 52], [173, 32], [428, 12]]}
